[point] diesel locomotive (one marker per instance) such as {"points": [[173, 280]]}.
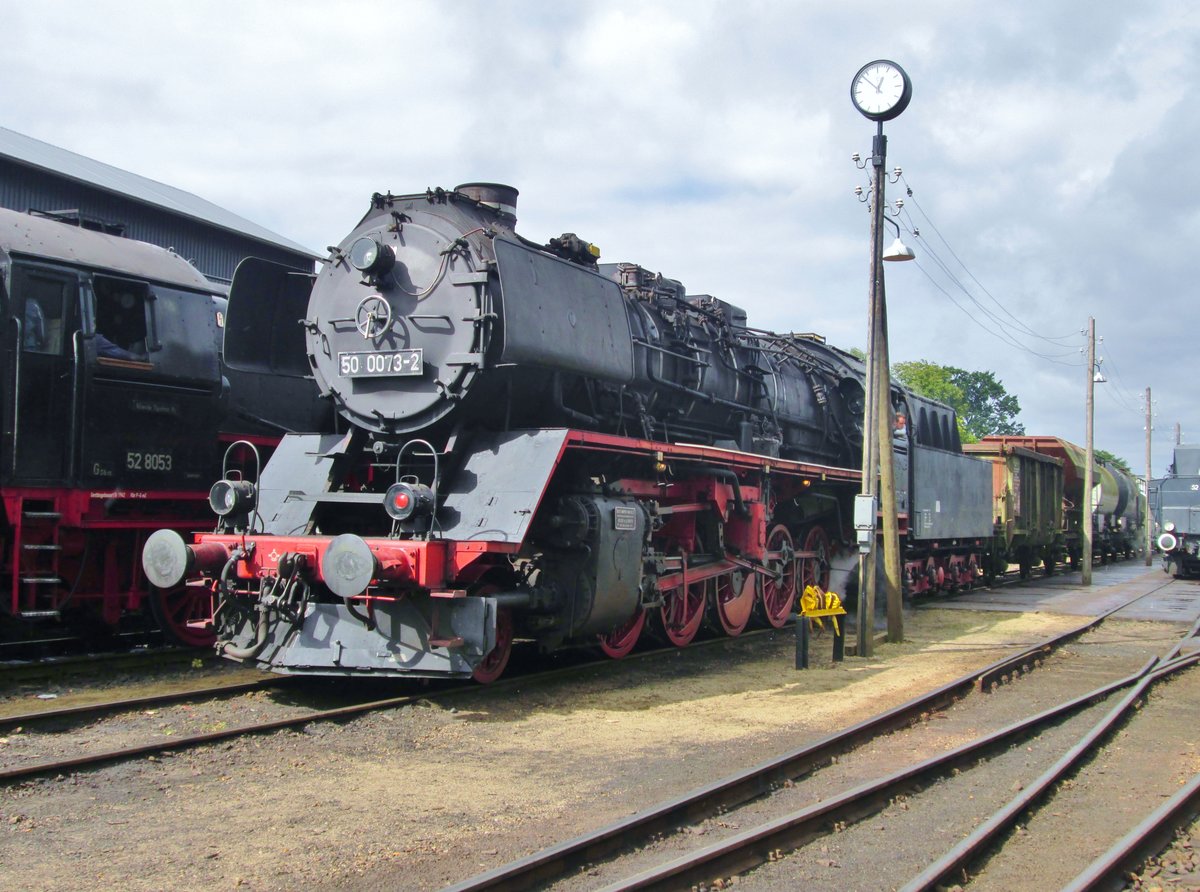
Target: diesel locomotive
{"points": [[117, 415], [541, 446]]}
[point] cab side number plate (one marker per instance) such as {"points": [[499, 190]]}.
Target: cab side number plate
{"points": [[380, 365]]}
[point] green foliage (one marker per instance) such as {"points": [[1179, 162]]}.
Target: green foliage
{"points": [[983, 405], [1103, 455]]}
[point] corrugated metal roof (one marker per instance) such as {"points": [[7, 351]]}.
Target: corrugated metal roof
{"points": [[36, 153]]}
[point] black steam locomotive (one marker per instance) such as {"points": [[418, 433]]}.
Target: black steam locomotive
{"points": [[117, 414], [541, 447]]}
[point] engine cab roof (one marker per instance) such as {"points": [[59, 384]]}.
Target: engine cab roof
{"points": [[45, 239]]}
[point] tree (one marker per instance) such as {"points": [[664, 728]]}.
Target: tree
{"points": [[1106, 457], [982, 403]]}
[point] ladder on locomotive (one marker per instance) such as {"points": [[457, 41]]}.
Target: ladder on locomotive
{"points": [[34, 568]]}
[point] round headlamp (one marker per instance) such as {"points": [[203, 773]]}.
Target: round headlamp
{"points": [[404, 501], [231, 497], [1169, 527], [1167, 542], [371, 257]]}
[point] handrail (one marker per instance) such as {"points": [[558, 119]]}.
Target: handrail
{"points": [[20, 349], [73, 446]]}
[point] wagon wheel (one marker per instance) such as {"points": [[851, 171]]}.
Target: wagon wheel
{"points": [[621, 640], [732, 603], [778, 593], [174, 608], [492, 666], [683, 611]]}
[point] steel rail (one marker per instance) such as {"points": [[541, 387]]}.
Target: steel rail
{"points": [[95, 710], [181, 743], [757, 845], [555, 861], [336, 714], [47, 668], [968, 851], [1145, 840], [752, 847]]}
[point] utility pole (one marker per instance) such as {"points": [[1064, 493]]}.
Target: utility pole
{"points": [[1146, 520], [887, 477], [1085, 531], [879, 470], [872, 445]]}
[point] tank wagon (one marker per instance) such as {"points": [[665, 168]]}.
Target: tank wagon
{"points": [[116, 416], [1177, 513], [542, 447], [1122, 530]]}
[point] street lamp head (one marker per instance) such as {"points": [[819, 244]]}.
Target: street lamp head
{"points": [[899, 251], [1098, 377]]}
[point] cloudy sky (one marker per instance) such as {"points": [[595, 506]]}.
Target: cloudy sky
{"points": [[1050, 150]]}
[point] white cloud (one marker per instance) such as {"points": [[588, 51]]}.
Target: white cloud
{"points": [[1047, 143]]}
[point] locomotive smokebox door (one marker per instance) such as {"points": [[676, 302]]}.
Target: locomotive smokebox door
{"points": [[396, 328]]}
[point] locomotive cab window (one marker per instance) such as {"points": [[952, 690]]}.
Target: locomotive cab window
{"points": [[43, 301], [121, 330]]}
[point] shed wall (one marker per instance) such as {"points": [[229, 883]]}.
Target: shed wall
{"points": [[214, 251]]}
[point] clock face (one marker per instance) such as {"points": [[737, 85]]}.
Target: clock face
{"points": [[881, 90]]}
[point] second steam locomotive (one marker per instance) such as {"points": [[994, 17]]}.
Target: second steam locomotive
{"points": [[541, 447]]}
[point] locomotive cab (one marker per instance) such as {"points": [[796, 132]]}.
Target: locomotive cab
{"points": [[112, 417], [106, 369]]}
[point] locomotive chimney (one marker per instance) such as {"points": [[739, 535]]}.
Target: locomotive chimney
{"points": [[499, 198]]}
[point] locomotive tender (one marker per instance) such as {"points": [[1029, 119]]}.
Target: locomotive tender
{"points": [[542, 447], [114, 410]]}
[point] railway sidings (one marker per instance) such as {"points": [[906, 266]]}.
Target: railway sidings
{"points": [[432, 793]]}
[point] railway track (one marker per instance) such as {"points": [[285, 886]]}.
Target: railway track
{"points": [[988, 838], [435, 692], [767, 841], [87, 665], [300, 717], [89, 711]]}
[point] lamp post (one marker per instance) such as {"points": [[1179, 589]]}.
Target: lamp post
{"points": [[880, 91], [1146, 524]]}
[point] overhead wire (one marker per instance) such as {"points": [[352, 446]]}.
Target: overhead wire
{"points": [[1006, 327], [1003, 330], [1023, 326], [1117, 392]]}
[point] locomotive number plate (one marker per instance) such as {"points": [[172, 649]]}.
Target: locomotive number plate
{"points": [[380, 365]]}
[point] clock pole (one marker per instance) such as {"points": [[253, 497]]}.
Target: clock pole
{"points": [[885, 420], [881, 90], [877, 440]]}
